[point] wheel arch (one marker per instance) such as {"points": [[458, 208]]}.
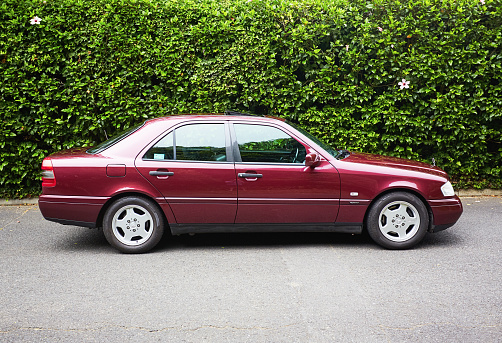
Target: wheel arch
{"points": [[109, 202], [404, 190]]}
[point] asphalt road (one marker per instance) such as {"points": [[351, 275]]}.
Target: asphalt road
{"points": [[66, 284]]}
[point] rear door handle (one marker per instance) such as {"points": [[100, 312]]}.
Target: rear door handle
{"points": [[160, 173], [250, 175]]}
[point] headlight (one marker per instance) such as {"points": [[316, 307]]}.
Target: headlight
{"points": [[447, 189]]}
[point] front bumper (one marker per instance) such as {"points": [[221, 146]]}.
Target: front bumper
{"points": [[445, 213]]}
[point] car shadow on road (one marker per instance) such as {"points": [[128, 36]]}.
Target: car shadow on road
{"points": [[300, 239], [93, 240], [83, 239], [261, 240], [442, 239]]}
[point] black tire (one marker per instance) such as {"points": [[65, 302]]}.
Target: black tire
{"points": [[133, 225], [397, 220]]}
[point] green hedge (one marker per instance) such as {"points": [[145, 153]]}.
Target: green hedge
{"points": [[93, 67]]}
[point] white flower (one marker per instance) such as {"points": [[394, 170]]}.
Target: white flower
{"points": [[404, 84], [392, 46], [380, 29], [347, 47], [35, 20], [482, 2]]}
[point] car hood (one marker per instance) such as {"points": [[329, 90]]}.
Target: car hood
{"points": [[394, 162]]}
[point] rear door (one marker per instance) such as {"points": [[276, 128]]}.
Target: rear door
{"points": [[273, 183], [192, 168]]}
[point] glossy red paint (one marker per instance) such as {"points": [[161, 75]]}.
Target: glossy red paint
{"points": [[76, 210], [333, 195], [288, 194], [445, 212], [196, 192], [394, 162], [116, 170]]}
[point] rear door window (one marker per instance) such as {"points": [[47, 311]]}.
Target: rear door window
{"points": [[194, 142]]}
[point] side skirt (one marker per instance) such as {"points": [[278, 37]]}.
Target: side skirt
{"points": [[178, 229]]}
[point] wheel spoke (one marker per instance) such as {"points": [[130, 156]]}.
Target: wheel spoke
{"points": [[402, 211], [401, 231], [142, 232], [412, 221], [128, 235], [141, 219], [122, 221]]}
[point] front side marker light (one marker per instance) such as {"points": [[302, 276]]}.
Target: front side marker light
{"points": [[447, 189]]}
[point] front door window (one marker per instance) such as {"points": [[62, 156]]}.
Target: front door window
{"points": [[258, 143]]}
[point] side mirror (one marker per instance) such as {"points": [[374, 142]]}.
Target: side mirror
{"points": [[312, 160]]}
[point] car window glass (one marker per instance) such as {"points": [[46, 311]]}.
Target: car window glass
{"points": [[339, 154], [196, 142], [163, 150], [261, 143]]}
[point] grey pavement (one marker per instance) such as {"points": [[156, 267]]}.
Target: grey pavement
{"points": [[66, 284]]}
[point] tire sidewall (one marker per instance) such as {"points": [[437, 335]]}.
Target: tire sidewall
{"points": [[374, 217], [157, 227]]}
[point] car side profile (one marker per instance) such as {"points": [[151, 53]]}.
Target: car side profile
{"points": [[237, 173]]}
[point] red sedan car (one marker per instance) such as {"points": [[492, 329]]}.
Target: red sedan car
{"points": [[236, 173]]}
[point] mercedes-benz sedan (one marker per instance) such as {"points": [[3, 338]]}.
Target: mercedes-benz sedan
{"points": [[232, 173]]}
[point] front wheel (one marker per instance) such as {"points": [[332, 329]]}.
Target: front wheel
{"points": [[133, 225], [398, 220]]}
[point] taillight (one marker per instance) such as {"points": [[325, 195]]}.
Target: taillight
{"points": [[48, 177]]}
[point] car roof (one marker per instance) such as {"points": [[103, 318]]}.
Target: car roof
{"points": [[218, 116]]}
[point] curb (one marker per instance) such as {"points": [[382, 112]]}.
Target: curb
{"points": [[479, 192], [14, 202], [463, 193]]}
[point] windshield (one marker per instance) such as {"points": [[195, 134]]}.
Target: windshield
{"points": [[108, 143], [338, 154]]}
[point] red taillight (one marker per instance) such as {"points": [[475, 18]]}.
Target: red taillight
{"points": [[48, 177]]}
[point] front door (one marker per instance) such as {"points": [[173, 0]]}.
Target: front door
{"points": [[275, 186]]}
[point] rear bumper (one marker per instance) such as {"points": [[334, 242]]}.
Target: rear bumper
{"points": [[446, 213], [71, 210]]}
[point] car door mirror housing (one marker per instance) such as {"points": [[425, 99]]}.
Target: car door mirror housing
{"points": [[312, 160]]}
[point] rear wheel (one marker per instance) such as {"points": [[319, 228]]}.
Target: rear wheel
{"points": [[133, 225], [398, 220]]}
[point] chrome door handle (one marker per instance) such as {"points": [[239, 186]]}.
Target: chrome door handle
{"points": [[160, 173], [250, 176]]}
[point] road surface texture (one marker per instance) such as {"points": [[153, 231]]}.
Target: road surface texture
{"points": [[66, 284]]}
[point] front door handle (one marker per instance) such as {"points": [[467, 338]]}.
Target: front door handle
{"points": [[250, 175], [160, 173]]}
